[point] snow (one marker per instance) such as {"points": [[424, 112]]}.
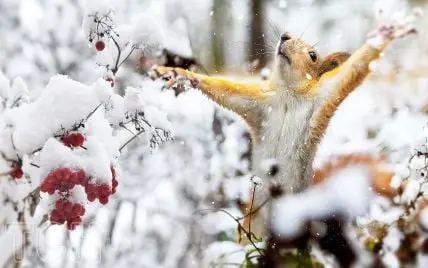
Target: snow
{"points": [[146, 34], [422, 260], [177, 39], [95, 160], [391, 243], [157, 117], [102, 6], [63, 104], [347, 192], [217, 222], [10, 242], [221, 253], [19, 92], [423, 218], [116, 109]]}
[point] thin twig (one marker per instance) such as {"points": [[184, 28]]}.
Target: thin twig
{"points": [[124, 127], [130, 53], [251, 207], [256, 210], [245, 231], [131, 139], [15, 103], [119, 52], [91, 113]]}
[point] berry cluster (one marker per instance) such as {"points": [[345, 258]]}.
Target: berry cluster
{"points": [[100, 191], [73, 139], [63, 180], [65, 211]]}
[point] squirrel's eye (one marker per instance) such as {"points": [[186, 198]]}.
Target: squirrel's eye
{"points": [[313, 56]]}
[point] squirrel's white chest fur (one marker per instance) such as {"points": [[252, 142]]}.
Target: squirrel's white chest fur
{"points": [[283, 135]]}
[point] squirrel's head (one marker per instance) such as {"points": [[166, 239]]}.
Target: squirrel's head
{"points": [[297, 61]]}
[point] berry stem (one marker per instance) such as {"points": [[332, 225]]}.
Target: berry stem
{"points": [[93, 111], [131, 139]]}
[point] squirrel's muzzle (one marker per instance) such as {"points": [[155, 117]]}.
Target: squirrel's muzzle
{"points": [[282, 47], [282, 52]]}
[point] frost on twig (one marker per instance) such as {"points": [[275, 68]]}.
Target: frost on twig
{"points": [[145, 118]]}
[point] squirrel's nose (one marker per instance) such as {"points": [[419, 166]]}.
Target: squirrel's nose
{"points": [[285, 37]]}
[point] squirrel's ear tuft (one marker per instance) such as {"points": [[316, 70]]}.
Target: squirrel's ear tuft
{"points": [[333, 61]]}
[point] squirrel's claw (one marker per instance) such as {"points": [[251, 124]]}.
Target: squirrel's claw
{"points": [[154, 74], [177, 79], [390, 28]]}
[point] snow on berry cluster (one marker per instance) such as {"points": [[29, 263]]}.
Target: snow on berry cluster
{"points": [[67, 141], [63, 180]]}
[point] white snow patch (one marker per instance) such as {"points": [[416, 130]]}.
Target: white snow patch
{"points": [[347, 192]]}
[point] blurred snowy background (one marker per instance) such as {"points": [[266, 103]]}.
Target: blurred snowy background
{"points": [[163, 214]]}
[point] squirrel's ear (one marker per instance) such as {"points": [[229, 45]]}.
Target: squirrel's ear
{"points": [[333, 61]]}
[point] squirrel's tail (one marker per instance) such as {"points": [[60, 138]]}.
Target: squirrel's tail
{"points": [[379, 172]]}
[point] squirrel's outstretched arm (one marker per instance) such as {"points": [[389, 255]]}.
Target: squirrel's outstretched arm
{"points": [[242, 98], [343, 80]]}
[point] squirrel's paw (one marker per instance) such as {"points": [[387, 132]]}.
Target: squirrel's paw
{"points": [[397, 26], [176, 77]]}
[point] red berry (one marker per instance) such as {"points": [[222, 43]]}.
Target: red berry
{"points": [[44, 187], [66, 140], [73, 140], [56, 217], [81, 177], [74, 178], [59, 205], [79, 138], [104, 189], [78, 210], [65, 173], [91, 197], [103, 199], [67, 212], [16, 173], [99, 45], [68, 207], [90, 189]]}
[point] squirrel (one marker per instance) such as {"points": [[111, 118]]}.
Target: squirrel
{"points": [[289, 114]]}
